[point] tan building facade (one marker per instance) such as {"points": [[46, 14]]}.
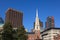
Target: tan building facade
{"points": [[49, 34]]}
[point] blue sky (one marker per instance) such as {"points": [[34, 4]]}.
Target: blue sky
{"points": [[28, 7]]}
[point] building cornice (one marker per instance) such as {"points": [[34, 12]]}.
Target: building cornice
{"points": [[50, 29]]}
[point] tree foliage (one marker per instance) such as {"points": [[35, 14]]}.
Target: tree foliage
{"points": [[10, 34], [21, 33], [14, 34], [7, 32]]}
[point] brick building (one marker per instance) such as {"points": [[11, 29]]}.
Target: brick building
{"points": [[14, 17], [57, 37], [50, 22]]}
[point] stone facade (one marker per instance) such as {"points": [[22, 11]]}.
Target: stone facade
{"points": [[49, 34]]}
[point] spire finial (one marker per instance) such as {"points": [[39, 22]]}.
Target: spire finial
{"points": [[36, 12]]}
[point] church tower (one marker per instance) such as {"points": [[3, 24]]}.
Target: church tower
{"points": [[36, 30], [37, 24]]}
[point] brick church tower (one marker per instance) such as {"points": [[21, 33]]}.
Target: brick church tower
{"points": [[35, 34], [37, 26]]}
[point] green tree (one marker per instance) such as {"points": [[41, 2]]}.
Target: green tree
{"points": [[14, 34], [21, 33], [7, 32]]}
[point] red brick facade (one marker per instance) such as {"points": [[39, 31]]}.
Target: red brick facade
{"points": [[14, 17], [35, 36], [57, 37]]}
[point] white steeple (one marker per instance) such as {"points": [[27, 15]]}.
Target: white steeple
{"points": [[36, 12], [37, 25]]}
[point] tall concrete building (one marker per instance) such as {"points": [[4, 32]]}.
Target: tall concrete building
{"points": [[50, 22], [14, 17]]}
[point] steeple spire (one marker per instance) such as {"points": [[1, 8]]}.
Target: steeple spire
{"points": [[36, 12], [36, 29], [37, 25]]}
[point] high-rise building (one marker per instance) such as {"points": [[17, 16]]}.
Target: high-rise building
{"points": [[50, 22], [1, 23], [14, 17], [1, 20]]}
